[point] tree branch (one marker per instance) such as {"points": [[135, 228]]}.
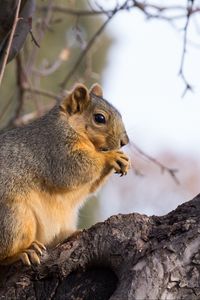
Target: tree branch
{"points": [[130, 256], [83, 54], [7, 50], [181, 72], [91, 42], [143, 6], [42, 93], [170, 171]]}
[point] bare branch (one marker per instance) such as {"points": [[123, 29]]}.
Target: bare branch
{"points": [[83, 53], [181, 72], [91, 42], [143, 6], [34, 39], [20, 90], [150, 10], [27, 118], [163, 168], [83, 13], [46, 71], [42, 93], [41, 32], [7, 50]]}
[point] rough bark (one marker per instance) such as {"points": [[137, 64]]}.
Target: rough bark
{"points": [[126, 257]]}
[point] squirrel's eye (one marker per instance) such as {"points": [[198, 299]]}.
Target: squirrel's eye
{"points": [[99, 118]]}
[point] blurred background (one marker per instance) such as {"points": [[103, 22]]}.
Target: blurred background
{"points": [[146, 56]]}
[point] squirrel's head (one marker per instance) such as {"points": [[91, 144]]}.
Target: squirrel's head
{"points": [[94, 117]]}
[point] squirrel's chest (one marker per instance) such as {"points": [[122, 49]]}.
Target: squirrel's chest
{"points": [[56, 214]]}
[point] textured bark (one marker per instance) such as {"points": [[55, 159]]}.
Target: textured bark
{"points": [[126, 257]]}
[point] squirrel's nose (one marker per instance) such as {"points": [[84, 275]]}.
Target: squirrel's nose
{"points": [[124, 141]]}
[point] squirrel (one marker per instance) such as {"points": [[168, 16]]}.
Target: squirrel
{"points": [[49, 167]]}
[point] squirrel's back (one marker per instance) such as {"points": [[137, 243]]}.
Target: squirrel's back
{"points": [[30, 151]]}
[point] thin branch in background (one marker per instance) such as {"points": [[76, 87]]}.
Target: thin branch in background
{"points": [[34, 39], [90, 44], [20, 85], [135, 171], [150, 10], [43, 26], [43, 93], [74, 12], [20, 90], [89, 73], [7, 50], [5, 108], [145, 7], [46, 71], [90, 5], [29, 117], [163, 168], [83, 54], [79, 34], [33, 78], [107, 13], [188, 86]]}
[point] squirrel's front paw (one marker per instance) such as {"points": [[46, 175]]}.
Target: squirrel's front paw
{"points": [[119, 161]]}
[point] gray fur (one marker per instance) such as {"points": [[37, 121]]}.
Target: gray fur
{"points": [[39, 152]]}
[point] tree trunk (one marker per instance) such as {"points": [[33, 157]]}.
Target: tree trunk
{"points": [[126, 257]]}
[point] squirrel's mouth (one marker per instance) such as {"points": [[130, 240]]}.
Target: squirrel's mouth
{"points": [[103, 149]]}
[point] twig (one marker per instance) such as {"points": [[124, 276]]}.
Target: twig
{"points": [[150, 10], [20, 85], [32, 55], [170, 171], [27, 118], [83, 53], [20, 90], [92, 13], [7, 50], [41, 32], [181, 72], [46, 71], [34, 39], [81, 13], [90, 44], [42, 92]]}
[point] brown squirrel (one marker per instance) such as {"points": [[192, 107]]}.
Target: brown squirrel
{"points": [[48, 167]]}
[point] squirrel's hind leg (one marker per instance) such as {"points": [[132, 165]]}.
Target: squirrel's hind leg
{"points": [[28, 256], [18, 234]]}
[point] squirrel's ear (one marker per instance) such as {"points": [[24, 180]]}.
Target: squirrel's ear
{"points": [[96, 89], [77, 100]]}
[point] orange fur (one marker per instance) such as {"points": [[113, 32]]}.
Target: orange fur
{"points": [[56, 214]]}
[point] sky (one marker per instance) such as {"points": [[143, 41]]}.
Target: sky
{"points": [[142, 80]]}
